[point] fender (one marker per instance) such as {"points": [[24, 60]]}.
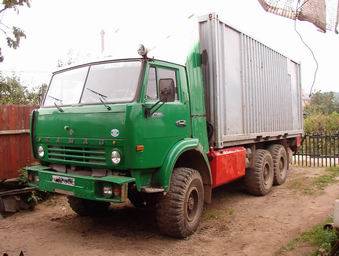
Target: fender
{"points": [[163, 176]]}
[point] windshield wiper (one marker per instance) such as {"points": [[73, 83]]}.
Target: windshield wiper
{"points": [[101, 98], [54, 98], [97, 93], [56, 105]]}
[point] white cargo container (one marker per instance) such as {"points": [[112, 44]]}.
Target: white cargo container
{"points": [[252, 91]]}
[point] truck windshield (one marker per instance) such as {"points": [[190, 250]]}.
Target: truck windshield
{"points": [[109, 83]]}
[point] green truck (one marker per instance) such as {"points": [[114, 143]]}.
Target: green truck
{"points": [[163, 135]]}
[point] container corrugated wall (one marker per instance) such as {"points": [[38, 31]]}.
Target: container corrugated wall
{"points": [[15, 145], [252, 91]]}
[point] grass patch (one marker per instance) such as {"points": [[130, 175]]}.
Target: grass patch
{"points": [[214, 214], [311, 185], [328, 178], [317, 237]]}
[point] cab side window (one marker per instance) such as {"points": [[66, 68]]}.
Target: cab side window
{"points": [[163, 73], [154, 76]]}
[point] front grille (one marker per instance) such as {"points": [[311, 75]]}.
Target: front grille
{"points": [[77, 154]]}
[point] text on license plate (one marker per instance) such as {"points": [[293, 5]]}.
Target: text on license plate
{"points": [[63, 180]]}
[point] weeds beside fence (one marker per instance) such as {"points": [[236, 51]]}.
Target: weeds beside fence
{"points": [[318, 150]]}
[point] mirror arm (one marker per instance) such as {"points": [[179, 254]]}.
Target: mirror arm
{"points": [[149, 112], [152, 112]]}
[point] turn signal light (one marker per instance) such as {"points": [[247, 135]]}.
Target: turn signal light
{"points": [[139, 148], [117, 191]]}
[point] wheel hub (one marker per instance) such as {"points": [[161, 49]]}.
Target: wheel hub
{"points": [[192, 204], [281, 166], [266, 174]]}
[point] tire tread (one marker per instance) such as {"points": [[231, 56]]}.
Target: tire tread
{"points": [[169, 209], [276, 151], [253, 178]]}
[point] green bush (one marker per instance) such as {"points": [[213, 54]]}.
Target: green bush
{"points": [[322, 123]]}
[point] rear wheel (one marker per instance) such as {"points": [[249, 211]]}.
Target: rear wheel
{"points": [[259, 179], [85, 207], [280, 164], [179, 211]]}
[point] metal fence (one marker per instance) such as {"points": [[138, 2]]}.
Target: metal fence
{"points": [[15, 146], [318, 150]]}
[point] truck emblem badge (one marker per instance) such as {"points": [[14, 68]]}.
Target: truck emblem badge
{"points": [[69, 130], [115, 133]]}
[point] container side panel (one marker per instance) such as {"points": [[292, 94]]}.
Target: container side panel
{"points": [[232, 84], [251, 90], [293, 73]]}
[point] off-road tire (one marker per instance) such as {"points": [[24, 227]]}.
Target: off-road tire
{"points": [[85, 207], [259, 179], [280, 163], [179, 211]]}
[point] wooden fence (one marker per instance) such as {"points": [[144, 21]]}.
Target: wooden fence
{"points": [[15, 145], [318, 150]]}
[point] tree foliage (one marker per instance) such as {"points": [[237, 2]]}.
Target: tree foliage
{"points": [[320, 123], [323, 103], [322, 113], [12, 92], [13, 34]]}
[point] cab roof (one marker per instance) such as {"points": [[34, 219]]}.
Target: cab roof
{"points": [[79, 65]]}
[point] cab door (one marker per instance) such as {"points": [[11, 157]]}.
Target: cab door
{"points": [[169, 122]]}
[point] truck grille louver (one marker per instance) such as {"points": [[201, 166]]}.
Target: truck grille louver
{"points": [[77, 154]]}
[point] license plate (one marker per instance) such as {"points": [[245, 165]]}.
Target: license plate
{"points": [[63, 180]]}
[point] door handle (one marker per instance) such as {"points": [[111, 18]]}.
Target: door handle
{"points": [[181, 123]]}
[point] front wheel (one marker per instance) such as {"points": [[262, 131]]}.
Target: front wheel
{"points": [[179, 211]]}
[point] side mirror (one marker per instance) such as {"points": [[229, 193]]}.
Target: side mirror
{"points": [[166, 90]]}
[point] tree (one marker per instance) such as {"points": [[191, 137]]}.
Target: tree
{"points": [[13, 34], [322, 103], [12, 92], [320, 123], [35, 96], [322, 113]]}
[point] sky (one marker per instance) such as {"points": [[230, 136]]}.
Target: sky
{"points": [[59, 29]]}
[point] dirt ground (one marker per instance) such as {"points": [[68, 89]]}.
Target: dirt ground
{"points": [[234, 224]]}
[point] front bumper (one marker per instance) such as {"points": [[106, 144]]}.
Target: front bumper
{"points": [[87, 187]]}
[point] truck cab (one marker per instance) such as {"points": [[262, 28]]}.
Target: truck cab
{"points": [[111, 130]]}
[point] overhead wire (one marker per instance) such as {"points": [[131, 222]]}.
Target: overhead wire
{"points": [[297, 9]]}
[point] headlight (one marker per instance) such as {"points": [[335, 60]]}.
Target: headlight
{"points": [[41, 151], [116, 157], [107, 190]]}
